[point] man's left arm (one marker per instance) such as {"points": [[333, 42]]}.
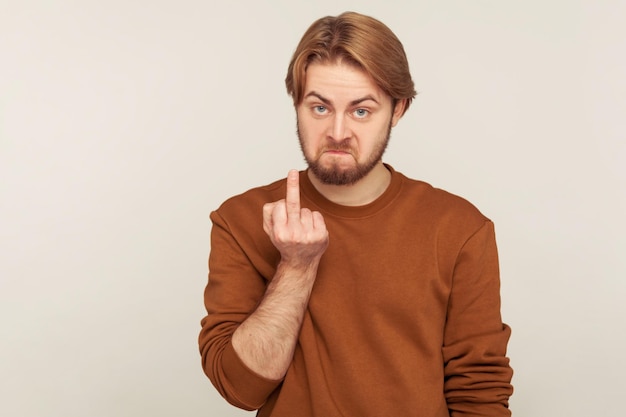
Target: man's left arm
{"points": [[477, 371]]}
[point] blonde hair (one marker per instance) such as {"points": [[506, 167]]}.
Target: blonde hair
{"points": [[358, 40]]}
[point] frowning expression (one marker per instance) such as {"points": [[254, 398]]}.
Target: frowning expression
{"points": [[344, 122]]}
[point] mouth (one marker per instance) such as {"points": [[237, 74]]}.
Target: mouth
{"points": [[338, 150]]}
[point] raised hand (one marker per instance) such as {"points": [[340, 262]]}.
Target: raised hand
{"points": [[299, 234], [266, 340]]}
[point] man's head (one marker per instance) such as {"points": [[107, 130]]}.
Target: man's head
{"points": [[350, 82], [358, 40]]}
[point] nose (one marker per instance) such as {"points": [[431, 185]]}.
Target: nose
{"points": [[339, 129]]}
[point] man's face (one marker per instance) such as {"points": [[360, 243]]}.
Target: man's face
{"points": [[344, 122]]}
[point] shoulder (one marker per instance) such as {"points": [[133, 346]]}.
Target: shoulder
{"points": [[251, 201], [441, 206]]}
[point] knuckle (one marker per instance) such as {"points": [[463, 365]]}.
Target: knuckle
{"points": [[268, 208]]}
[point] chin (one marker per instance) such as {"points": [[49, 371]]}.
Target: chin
{"points": [[337, 176]]}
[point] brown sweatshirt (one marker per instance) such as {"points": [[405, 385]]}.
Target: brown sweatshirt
{"points": [[403, 320]]}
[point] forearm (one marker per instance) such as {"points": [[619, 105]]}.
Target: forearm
{"points": [[266, 340]]}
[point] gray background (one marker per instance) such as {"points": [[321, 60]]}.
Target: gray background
{"points": [[124, 123]]}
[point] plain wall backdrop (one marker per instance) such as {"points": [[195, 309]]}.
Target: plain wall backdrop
{"points": [[124, 123]]}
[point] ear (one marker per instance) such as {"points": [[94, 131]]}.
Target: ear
{"points": [[398, 112]]}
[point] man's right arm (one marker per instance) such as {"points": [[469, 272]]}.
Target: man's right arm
{"points": [[266, 340], [259, 348]]}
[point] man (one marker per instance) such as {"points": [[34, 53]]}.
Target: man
{"points": [[349, 289]]}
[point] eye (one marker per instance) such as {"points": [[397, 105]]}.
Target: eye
{"points": [[320, 109], [361, 113]]}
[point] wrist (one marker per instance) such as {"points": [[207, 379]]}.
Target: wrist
{"points": [[297, 266]]}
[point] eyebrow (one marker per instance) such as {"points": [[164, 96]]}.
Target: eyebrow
{"points": [[352, 103]]}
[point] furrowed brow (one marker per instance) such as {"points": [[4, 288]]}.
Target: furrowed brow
{"points": [[318, 96], [361, 100], [352, 103]]}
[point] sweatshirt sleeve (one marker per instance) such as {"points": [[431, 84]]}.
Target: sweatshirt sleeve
{"points": [[477, 371], [232, 293]]}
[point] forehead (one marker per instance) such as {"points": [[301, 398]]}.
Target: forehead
{"points": [[339, 80]]}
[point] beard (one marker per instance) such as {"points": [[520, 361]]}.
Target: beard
{"points": [[334, 174]]}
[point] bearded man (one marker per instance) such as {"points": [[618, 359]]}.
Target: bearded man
{"points": [[349, 289]]}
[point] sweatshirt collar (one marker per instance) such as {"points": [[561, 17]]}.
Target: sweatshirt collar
{"points": [[320, 203]]}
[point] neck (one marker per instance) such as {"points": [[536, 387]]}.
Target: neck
{"points": [[364, 191]]}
